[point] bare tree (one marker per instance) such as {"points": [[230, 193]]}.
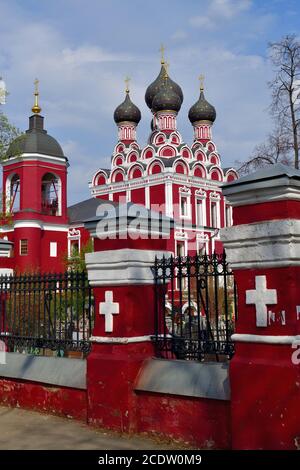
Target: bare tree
{"points": [[285, 57], [276, 149], [282, 145]]}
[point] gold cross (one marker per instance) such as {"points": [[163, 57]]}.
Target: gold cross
{"points": [[36, 107], [201, 78], [36, 86], [166, 66], [162, 52], [127, 80]]}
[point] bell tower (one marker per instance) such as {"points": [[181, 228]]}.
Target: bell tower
{"points": [[35, 196]]}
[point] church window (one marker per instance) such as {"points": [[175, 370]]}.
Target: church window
{"points": [[199, 212], [50, 195], [184, 206], [180, 248], [214, 214], [228, 216], [53, 249], [13, 194], [24, 247]]}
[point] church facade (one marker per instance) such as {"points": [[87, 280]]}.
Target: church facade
{"points": [[166, 175]]}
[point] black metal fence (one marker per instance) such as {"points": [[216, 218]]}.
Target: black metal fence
{"points": [[41, 312], [196, 307]]}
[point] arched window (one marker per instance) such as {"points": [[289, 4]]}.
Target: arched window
{"points": [[13, 194], [51, 198]]}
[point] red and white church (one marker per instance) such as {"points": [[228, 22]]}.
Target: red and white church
{"points": [[166, 175]]}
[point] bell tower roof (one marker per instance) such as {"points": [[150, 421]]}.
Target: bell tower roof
{"points": [[36, 139]]}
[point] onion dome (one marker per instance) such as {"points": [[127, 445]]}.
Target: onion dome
{"points": [[36, 139], [127, 111], [166, 99], [202, 110], [155, 87]]}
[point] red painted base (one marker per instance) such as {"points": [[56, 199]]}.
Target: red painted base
{"points": [[202, 423], [111, 372], [265, 387], [49, 399]]}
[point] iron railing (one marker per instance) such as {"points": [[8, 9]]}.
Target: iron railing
{"points": [[196, 307], [41, 312]]}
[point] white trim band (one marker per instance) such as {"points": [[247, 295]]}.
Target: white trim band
{"points": [[268, 339], [116, 340], [264, 245], [122, 267]]}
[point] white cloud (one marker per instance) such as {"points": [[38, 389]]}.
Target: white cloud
{"points": [[202, 22], [218, 10], [179, 35]]}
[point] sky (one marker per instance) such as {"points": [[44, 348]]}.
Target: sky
{"points": [[81, 51]]}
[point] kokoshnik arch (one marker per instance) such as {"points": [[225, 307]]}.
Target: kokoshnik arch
{"points": [[184, 182]]}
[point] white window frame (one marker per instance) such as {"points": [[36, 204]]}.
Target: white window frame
{"points": [[228, 221], [73, 234], [53, 249], [215, 198], [201, 196], [202, 241], [185, 193]]}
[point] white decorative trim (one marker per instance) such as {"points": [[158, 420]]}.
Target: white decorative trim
{"points": [[268, 339], [215, 196], [36, 157], [263, 245], [200, 193], [169, 198], [122, 267], [40, 225], [255, 192], [123, 340]]}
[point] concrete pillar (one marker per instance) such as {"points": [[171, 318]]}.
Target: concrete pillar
{"points": [[263, 248], [120, 272]]}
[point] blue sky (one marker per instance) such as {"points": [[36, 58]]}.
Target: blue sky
{"points": [[82, 50]]}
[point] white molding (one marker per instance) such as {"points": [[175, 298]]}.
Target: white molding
{"points": [[36, 157], [40, 225], [257, 192], [6, 272], [169, 198], [122, 267], [263, 245], [267, 339], [121, 340]]}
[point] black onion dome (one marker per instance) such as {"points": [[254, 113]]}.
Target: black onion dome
{"points": [[166, 99], [127, 111], [202, 110], [35, 140], [155, 87]]}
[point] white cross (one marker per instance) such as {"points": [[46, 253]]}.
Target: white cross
{"points": [[261, 297], [109, 308]]}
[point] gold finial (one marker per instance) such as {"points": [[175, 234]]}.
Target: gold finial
{"points": [[36, 108], [162, 53], [127, 80], [201, 78]]}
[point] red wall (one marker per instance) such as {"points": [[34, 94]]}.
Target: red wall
{"points": [[201, 422], [51, 399]]}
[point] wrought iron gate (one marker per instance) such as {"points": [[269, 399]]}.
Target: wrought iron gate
{"points": [[196, 307], [46, 311]]}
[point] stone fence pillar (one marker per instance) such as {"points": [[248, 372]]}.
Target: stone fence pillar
{"points": [[263, 248], [120, 270]]}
